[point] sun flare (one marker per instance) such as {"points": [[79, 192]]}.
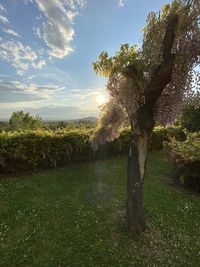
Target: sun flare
{"points": [[100, 99]]}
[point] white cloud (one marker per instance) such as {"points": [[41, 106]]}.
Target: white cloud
{"points": [[9, 31], [121, 3], [57, 30], [37, 32], [39, 65], [20, 56], [49, 100], [58, 39], [74, 3], [27, 1], [2, 8], [43, 91], [71, 15], [3, 19], [31, 90]]}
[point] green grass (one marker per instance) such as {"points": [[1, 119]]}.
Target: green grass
{"points": [[74, 216]]}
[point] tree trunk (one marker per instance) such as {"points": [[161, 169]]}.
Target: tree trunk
{"points": [[145, 123], [136, 172]]}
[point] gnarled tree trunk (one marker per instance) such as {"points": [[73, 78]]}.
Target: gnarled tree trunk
{"points": [[137, 158], [141, 135]]}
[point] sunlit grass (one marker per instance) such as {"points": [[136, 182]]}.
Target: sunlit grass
{"points": [[74, 216]]}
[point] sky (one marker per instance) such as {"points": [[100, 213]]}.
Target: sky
{"points": [[47, 48]]}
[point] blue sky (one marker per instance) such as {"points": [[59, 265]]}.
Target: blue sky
{"points": [[47, 48]]}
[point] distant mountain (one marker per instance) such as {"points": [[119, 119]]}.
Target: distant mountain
{"points": [[90, 119], [86, 119]]}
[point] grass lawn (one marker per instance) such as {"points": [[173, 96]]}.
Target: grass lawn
{"points": [[74, 216]]}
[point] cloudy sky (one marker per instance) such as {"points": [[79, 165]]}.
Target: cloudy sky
{"points": [[47, 48]]}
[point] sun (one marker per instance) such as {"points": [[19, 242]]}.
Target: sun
{"points": [[100, 99]]}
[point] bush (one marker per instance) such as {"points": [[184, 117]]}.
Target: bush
{"points": [[186, 156], [190, 118], [29, 150], [163, 134]]}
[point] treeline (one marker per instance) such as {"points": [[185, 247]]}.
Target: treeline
{"points": [[20, 121]]}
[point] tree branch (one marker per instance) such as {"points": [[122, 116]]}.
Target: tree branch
{"points": [[162, 74], [169, 36]]}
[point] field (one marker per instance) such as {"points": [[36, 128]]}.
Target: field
{"points": [[74, 216]]}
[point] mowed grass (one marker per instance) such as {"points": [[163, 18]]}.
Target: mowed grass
{"points": [[74, 216]]}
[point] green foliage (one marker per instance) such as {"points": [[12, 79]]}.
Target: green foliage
{"points": [[29, 150], [41, 148], [190, 118], [127, 55], [69, 125], [3, 126], [186, 156], [162, 134], [24, 121]]}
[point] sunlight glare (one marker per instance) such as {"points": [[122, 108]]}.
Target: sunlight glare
{"points": [[100, 99]]}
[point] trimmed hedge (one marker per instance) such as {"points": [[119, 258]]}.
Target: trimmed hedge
{"points": [[42, 149], [186, 157]]}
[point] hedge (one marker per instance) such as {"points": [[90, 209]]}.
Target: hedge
{"points": [[186, 157], [29, 150]]}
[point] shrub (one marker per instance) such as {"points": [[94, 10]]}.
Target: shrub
{"points": [[162, 134], [190, 118], [29, 150], [186, 156]]}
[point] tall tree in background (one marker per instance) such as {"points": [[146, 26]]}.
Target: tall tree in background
{"points": [[24, 121], [190, 117], [149, 83]]}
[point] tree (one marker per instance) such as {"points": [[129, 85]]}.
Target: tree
{"points": [[190, 118], [147, 84], [24, 121]]}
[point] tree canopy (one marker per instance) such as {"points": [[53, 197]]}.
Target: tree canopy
{"points": [[190, 117], [24, 121], [170, 52]]}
